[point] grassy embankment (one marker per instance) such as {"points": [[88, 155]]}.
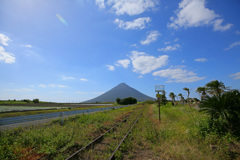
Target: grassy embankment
{"points": [[180, 135], [56, 141]]}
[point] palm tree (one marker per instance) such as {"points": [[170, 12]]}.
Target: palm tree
{"points": [[172, 96], [215, 87], [188, 91], [181, 97], [202, 91]]}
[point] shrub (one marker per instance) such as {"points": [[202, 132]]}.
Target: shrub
{"points": [[224, 111], [26, 100], [36, 100], [125, 101]]}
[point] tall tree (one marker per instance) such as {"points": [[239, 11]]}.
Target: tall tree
{"points": [[181, 97], [188, 91], [202, 92], [215, 87], [163, 98], [172, 96]]}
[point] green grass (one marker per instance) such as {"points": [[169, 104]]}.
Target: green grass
{"points": [[179, 136], [56, 141]]}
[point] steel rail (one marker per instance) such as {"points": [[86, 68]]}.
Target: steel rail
{"points": [[101, 136], [113, 154], [96, 139]]}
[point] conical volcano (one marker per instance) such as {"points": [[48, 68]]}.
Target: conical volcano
{"points": [[120, 91]]}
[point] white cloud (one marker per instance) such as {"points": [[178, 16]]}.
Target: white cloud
{"points": [[183, 61], [133, 45], [193, 13], [170, 48], [131, 7], [27, 46], [143, 63], [61, 86], [236, 75], [237, 32], [67, 78], [42, 85], [100, 4], [124, 63], [175, 40], [110, 67], [151, 37], [233, 45], [168, 42], [217, 25], [178, 75], [51, 85], [4, 39], [83, 79], [135, 24], [201, 60], [6, 56]]}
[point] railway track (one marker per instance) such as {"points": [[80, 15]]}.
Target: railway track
{"points": [[106, 145]]}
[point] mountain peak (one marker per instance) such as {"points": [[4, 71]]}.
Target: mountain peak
{"points": [[120, 91]]}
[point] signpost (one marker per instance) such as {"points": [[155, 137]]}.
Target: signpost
{"points": [[159, 88]]}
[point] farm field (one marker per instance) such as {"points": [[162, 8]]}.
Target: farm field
{"points": [[180, 135], [25, 108]]}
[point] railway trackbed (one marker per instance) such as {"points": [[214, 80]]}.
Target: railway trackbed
{"points": [[108, 144]]}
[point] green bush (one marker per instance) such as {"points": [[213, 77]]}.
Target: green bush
{"points": [[126, 101], [36, 100], [224, 111]]}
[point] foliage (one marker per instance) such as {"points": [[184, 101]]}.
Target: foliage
{"points": [[224, 111], [188, 91], [202, 92], [172, 96], [36, 100], [163, 99], [26, 100], [126, 101], [215, 87]]}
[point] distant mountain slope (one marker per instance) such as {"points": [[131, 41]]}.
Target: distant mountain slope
{"points": [[120, 91]]}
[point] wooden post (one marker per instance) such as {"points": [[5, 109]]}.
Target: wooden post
{"points": [[159, 108]]}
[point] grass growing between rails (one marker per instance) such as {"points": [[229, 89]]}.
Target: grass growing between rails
{"points": [[56, 141], [180, 135]]}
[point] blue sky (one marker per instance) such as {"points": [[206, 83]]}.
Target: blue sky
{"points": [[75, 50]]}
